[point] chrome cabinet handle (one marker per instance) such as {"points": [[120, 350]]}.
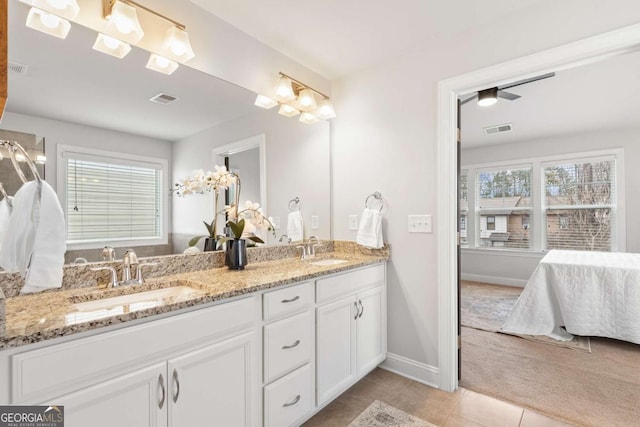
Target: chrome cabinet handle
{"points": [[296, 298], [287, 347], [355, 304], [161, 385], [361, 309], [176, 386], [293, 402]]}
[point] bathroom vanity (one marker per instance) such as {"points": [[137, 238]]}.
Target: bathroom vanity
{"points": [[269, 346]]}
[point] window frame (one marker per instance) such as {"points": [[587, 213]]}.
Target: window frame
{"points": [[538, 208], [62, 155]]}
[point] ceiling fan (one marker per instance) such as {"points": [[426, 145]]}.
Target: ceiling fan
{"points": [[490, 96]]}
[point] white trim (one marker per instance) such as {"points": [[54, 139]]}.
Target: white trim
{"points": [[504, 252], [417, 371], [117, 158], [257, 141], [567, 56], [494, 280]]}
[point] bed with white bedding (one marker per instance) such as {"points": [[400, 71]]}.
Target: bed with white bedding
{"points": [[587, 293]]}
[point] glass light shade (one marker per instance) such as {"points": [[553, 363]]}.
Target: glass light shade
{"points": [[48, 23], [284, 90], [288, 110], [177, 46], [123, 23], [68, 9], [325, 110], [488, 97], [265, 102], [111, 46], [161, 64], [306, 100], [308, 118]]}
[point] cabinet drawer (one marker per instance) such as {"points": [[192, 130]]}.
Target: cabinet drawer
{"points": [[349, 283], [288, 344], [287, 301], [58, 369], [289, 399]]}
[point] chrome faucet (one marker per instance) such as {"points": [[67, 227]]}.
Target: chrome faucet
{"points": [[303, 255], [129, 260], [311, 247], [108, 254], [285, 238]]}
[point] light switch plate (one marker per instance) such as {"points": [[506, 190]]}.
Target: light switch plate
{"points": [[420, 224], [315, 222], [276, 222], [353, 222]]}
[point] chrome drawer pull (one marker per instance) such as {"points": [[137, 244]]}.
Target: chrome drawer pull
{"points": [[293, 402], [287, 347], [176, 386], [296, 298], [361, 309], [161, 385], [355, 304]]}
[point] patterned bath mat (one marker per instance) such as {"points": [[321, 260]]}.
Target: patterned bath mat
{"points": [[487, 307], [379, 414]]}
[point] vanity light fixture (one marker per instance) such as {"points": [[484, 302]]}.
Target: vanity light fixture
{"points": [[111, 46], [177, 45], [122, 21], [294, 97], [48, 23], [161, 64], [488, 97], [67, 9]]}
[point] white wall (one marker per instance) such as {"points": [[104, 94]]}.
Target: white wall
{"points": [[297, 165], [515, 269], [384, 139]]}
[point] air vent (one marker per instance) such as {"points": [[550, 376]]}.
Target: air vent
{"points": [[492, 130], [15, 67], [163, 98]]}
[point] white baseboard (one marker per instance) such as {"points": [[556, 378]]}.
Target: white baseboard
{"points": [[494, 280], [420, 372]]}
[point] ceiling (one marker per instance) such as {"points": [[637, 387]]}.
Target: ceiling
{"points": [[338, 37], [69, 81], [599, 96]]}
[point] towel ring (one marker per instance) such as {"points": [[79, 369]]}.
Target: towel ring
{"points": [[377, 196], [296, 204], [4, 194], [12, 147]]}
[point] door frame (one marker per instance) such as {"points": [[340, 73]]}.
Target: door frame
{"points": [[567, 56]]}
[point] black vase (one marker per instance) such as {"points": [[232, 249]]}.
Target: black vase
{"points": [[210, 244], [236, 256]]}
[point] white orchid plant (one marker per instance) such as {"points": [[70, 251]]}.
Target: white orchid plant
{"points": [[243, 223]]}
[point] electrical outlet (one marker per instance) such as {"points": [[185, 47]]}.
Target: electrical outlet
{"points": [[353, 222], [276, 222], [420, 224], [315, 222]]}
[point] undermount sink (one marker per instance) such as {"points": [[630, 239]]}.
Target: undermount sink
{"points": [[137, 301], [331, 261]]}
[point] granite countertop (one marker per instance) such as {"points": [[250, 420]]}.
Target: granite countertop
{"points": [[39, 317]]}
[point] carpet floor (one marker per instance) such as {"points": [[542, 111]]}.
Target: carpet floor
{"points": [[601, 388]]}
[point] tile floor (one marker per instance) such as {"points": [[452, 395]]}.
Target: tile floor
{"points": [[462, 408]]}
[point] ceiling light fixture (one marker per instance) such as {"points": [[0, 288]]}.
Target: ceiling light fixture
{"points": [[48, 23], [111, 46], [161, 64], [488, 97], [294, 97], [177, 45], [122, 21]]}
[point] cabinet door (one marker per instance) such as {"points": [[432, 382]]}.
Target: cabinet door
{"points": [[216, 385], [136, 399], [371, 329], [336, 362]]}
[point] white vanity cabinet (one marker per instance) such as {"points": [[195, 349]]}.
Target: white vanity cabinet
{"points": [[351, 329], [187, 369]]}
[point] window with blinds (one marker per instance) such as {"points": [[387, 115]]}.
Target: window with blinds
{"points": [[109, 199], [504, 207], [580, 204], [463, 206]]}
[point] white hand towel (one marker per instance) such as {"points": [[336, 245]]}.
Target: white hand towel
{"points": [[47, 260], [34, 243], [370, 229], [294, 226], [5, 214]]}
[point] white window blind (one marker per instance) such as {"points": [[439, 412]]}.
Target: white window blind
{"points": [[463, 206], [580, 204], [109, 199], [503, 207]]}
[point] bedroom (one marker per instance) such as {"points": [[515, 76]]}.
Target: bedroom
{"points": [[583, 117]]}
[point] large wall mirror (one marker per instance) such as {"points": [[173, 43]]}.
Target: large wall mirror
{"points": [[73, 96]]}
